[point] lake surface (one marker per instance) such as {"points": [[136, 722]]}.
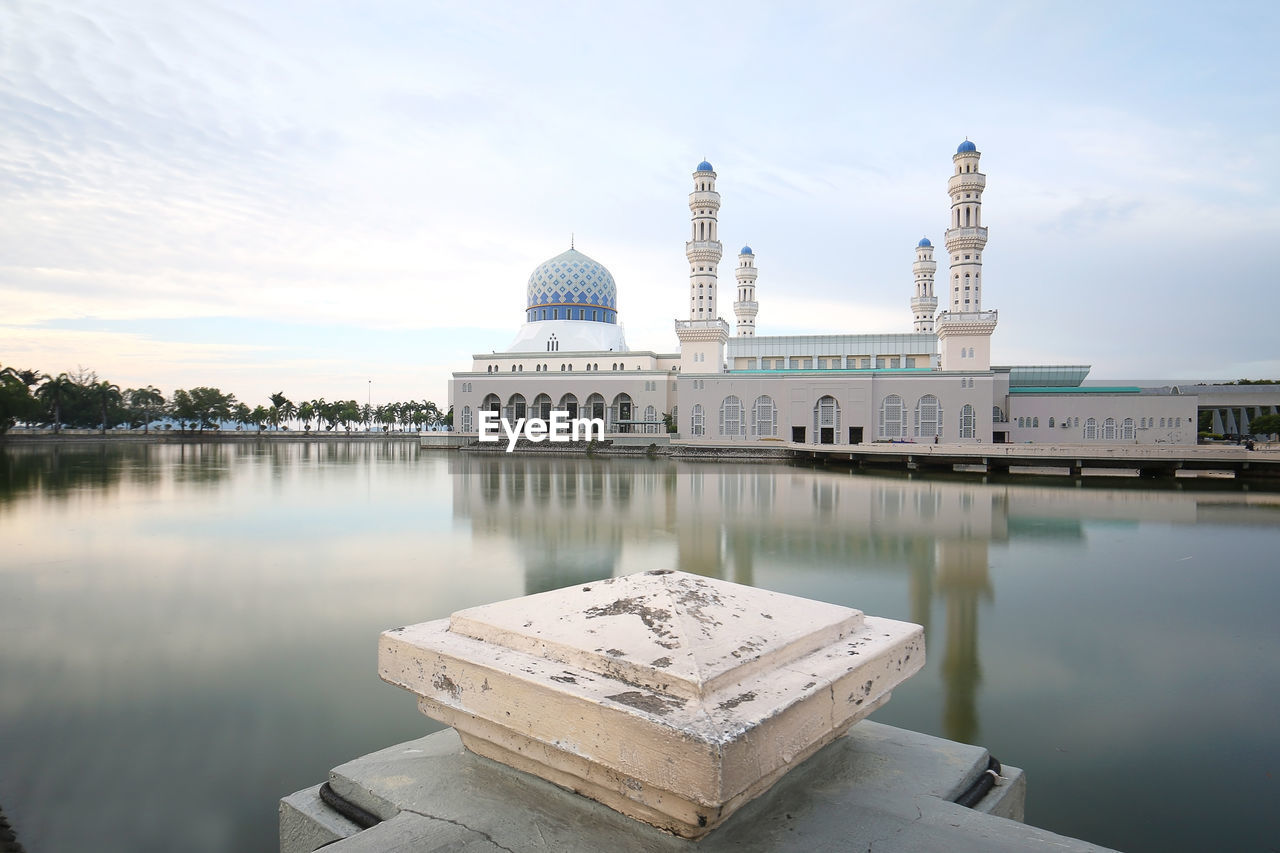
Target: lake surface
{"points": [[188, 632]]}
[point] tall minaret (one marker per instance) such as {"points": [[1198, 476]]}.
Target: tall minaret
{"points": [[924, 304], [964, 332], [703, 336], [745, 306], [965, 236], [703, 249]]}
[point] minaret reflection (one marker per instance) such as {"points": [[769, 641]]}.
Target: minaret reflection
{"points": [[820, 533], [961, 580]]}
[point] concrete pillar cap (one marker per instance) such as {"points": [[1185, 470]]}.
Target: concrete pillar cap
{"points": [[670, 697]]}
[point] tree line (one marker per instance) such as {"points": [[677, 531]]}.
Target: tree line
{"points": [[83, 400]]}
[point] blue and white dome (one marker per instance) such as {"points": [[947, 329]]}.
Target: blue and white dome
{"points": [[924, 243], [572, 286], [966, 147], [746, 250], [704, 166]]}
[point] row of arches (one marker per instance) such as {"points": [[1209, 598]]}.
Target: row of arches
{"points": [[545, 368], [738, 421], [927, 419], [760, 419], [1109, 429], [621, 415]]}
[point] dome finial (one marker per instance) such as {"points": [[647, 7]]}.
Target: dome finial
{"points": [[570, 239]]}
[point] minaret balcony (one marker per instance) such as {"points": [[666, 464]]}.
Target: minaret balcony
{"points": [[962, 237], [746, 307], [972, 181], [704, 250]]}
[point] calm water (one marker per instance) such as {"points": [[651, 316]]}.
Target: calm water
{"points": [[187, 633]]}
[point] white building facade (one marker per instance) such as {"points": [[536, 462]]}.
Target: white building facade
{"points": [[935, 383]]}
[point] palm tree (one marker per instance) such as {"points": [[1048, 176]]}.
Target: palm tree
{"points": [[145, 401], [54, 392], [260, 416], [305, 413], [288, 411], [104, 395]]}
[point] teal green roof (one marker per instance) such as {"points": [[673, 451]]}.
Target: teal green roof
{"points": [[1088, 389], [1047, 375]]}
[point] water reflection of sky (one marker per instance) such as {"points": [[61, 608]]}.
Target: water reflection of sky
{"points": [[188, 631]]}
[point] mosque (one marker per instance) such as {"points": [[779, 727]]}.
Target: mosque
{"points": [[935, 383]]}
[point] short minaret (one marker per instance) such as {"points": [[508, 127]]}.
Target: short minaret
{"points": [[745, 307], [703, 249], [704, 334], [924, 304], [964, 332]]}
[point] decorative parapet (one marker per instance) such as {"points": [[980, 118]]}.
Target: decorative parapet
{"points": [[702, 330], [966, 322], [669, 697]]}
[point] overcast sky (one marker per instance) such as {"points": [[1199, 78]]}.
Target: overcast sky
{"points": [[303, 195]]}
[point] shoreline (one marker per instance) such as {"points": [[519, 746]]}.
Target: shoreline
{"points": [[210, 436]]}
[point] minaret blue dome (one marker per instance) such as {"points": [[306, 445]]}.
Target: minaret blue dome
{"points": [[572, 286], [746, 250], [924, 241], [704, 166], [966, 147]]}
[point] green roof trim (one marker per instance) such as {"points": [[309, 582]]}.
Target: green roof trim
{"points": [[1084, 389], [829, 370]]}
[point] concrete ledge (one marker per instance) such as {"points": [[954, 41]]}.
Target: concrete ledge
{"points": [[306, 823], [877, 787]]}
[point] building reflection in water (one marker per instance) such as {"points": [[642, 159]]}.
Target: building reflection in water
{"points": [[574, 520]]}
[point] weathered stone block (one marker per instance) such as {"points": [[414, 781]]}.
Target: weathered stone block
{"points": [[669, 697]]}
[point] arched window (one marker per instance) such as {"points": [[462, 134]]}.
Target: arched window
{"points": [[620, 414], [997, 414], [1035, 423], [542, 407], [699, 424], [968, 422], [1022, 423], [466, 419], [594, 407], [1127, 432], [1109, 429], [928, 421], [891, 425], [826, 415], [1050, 423], [764, 424], [732, 424], [569, 403], [1091, 430], [516, 408], [491, 404], [650, 418]]}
